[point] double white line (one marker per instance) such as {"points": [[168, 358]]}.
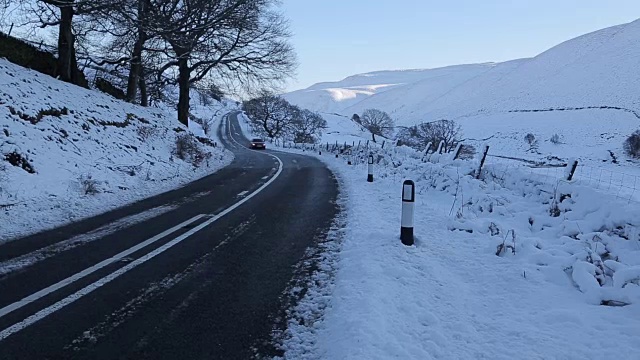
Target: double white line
{"points": [[90, 288]]}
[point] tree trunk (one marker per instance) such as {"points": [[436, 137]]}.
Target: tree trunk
{"points": [[136, 55], [134, 71], [184, 74], [144, 96], [66, 53]]}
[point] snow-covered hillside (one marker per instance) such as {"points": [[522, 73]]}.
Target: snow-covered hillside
{"points": [[340, 95], [67, 152], [597, 69]]}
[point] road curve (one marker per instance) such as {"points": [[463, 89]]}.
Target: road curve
{"points": [[200, 281]]}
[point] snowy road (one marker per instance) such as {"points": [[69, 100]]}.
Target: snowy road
{"points": [[201, 279]]}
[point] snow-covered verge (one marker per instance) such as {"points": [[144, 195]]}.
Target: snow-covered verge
{"points": [[504, 267], [68, 153]]}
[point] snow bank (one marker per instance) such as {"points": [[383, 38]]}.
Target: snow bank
{"points": [[80, 152], [456, 294]]}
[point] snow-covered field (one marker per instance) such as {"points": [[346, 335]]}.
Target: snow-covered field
{"points": [[75, 141], [553, 291]]}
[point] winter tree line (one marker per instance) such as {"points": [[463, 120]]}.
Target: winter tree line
{"points": [[276, 119], [220, 45]]}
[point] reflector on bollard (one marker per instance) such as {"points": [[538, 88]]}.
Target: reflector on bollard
{"points": [[408, 207], [370, 172]]}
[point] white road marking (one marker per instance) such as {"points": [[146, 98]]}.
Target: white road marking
{"points": [[265, 177], [44, 253], [90, 288], [242, 193], [71, 279]]}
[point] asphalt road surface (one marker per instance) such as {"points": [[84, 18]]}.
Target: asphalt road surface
{"points": [[201, 281]]}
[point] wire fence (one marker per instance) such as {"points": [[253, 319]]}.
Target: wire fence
{"points": [[620, 185], [623, 186]]}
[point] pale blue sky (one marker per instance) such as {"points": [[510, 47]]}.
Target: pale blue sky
{"points": [[338, 38]]}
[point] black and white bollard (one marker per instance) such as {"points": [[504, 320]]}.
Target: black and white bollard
{"points": [[408, 206], [370, 168]]}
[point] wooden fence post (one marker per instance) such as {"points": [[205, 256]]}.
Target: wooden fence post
{"points": [[457, 151], [484, 157], [574, 166]]}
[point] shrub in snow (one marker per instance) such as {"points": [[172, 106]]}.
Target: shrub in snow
{"points": [[530, 138], [532, 141], [632, 145], [147, 132], [509, 246], [41, 114], [89, 185], [556, 139], [190, 150], [467, 152], [16, 159]]}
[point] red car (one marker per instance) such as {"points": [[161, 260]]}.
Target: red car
{"points": [[258, 144]]}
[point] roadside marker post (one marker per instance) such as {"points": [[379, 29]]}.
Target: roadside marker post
{"points": [[572, 170], [370, 172], [408, 207]]}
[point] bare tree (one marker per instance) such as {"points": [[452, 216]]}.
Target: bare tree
{"points": [[377, 122], [270, 115], [240, 39], [418, 136], [307, 126]]}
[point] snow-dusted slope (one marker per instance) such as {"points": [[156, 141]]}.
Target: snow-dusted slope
{"points": [[338, 96], [415, 102], [74, 140], [593, 70], [597, 69]]}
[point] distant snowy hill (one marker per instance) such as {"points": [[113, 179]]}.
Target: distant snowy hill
{"points": [[593, 70], [340, 95]]}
